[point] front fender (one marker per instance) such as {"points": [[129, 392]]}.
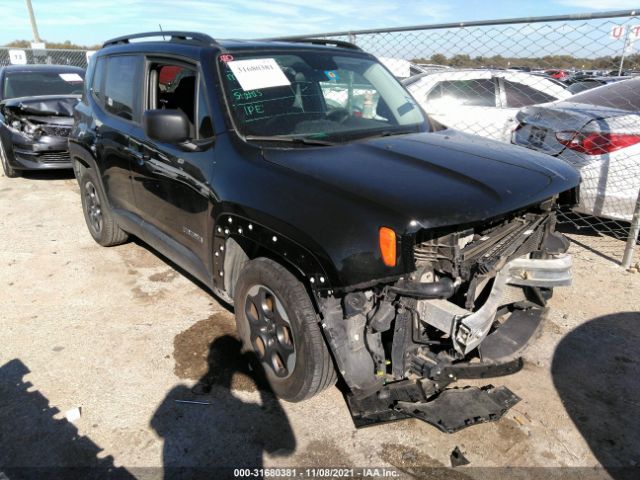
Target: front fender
{"points": [[260, 238]]}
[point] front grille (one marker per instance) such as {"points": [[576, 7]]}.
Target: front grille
{"points": [[525, 231], [54, 157]]}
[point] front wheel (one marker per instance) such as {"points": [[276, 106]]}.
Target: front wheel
{"points": [[278, 323], [9, 171]]}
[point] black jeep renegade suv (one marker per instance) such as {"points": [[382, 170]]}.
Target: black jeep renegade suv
{"points": [[302, 184]]}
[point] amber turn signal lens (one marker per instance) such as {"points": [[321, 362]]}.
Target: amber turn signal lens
{"points": [[388, 246]]}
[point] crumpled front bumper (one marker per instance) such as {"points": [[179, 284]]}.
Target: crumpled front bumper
{"points": [[45, 152]]}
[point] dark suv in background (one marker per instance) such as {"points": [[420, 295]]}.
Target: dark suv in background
{"points": [[36, 116], [302, 184]]}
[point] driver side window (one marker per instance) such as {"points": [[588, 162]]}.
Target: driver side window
{"points": [[175, 86]]}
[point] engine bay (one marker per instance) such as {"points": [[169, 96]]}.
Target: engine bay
{"points": [[476, 298]]}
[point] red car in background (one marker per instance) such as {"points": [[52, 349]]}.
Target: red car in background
{"points": [[557, 74]]}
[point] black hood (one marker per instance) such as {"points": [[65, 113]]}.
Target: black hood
{"points": [[50, 105], [436, 179]]}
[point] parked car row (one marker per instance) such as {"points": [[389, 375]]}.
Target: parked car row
{"points": [[354, 236], [36, 116], [597, 131], [482, 102]]}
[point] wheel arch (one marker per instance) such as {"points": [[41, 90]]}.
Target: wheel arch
{"points": [[82, 159], [81, 155], [237, 240]]}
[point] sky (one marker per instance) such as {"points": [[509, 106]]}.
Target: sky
{"points": [[93, 21]]}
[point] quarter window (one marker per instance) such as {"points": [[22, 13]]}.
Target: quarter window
{"points": [[96, 81]]}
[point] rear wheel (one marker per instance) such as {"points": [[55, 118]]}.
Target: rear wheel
{"points": [[277, 321], [97, 215], [9, 171]]}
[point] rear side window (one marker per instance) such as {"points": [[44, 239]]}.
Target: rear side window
{"points": [[96, 80], [475, 93], [624, 95], [521, 95], [121, 84]]}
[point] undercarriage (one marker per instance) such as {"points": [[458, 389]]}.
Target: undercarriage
{"points": [[475, 300]]}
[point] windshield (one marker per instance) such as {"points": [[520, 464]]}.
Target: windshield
{"points": [[31, 84], [624, 95], [315, 95]]}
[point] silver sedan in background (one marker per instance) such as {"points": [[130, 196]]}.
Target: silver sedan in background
{"points": [[598, 132]]}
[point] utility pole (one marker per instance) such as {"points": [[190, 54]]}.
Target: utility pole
{"points": [[34, 27]]}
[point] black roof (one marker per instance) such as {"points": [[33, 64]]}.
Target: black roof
{"points": [[184, 41], [319, 43], [42, 68]]}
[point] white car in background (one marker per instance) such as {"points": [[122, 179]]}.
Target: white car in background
{"points": [[481, 102], [598, 132]]}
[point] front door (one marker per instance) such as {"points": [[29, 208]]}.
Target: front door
{"points": [[170, 182]]}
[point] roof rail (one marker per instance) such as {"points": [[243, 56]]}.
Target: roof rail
{"points": [[321, 41], [174, 36]]}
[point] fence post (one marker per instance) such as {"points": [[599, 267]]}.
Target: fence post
{"points": [[625, 47], [634, 230]]}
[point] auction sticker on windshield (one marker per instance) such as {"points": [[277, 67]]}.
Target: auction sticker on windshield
{"points": [[258, 73], [71, 77]]}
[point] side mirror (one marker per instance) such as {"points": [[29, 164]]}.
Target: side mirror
{"points": [[166, 126]]}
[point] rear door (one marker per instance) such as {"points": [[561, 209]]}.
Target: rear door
{"points": [[115, 93]]}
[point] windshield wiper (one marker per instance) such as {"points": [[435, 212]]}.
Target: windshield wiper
{"points": [[283, 138], [389, 133]]}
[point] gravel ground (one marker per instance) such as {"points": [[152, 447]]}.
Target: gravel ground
{"points": [[121, 334]]}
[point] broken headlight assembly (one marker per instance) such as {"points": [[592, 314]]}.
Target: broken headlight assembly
{"points": [[27, 128]]}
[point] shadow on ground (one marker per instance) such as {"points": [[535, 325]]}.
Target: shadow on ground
{"points": [[33, 444], [596, 371], [223, 432], [64, 174]]}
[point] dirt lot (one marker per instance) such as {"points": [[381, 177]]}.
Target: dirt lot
{"points": [[122, 335]]}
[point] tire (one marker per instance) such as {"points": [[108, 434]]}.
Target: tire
{"points": [[97, 215], [9, 171], [265, 288]]}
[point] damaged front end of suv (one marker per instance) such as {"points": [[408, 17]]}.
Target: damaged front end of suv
{"points": [[35, 130], [477, 296]]}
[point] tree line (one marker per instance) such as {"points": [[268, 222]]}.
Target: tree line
{"points": [[547, 61], [459, 60]]}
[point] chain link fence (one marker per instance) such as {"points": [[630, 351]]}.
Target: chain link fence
{"points": [[566, 86], [514, 81], [27, 56]]}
